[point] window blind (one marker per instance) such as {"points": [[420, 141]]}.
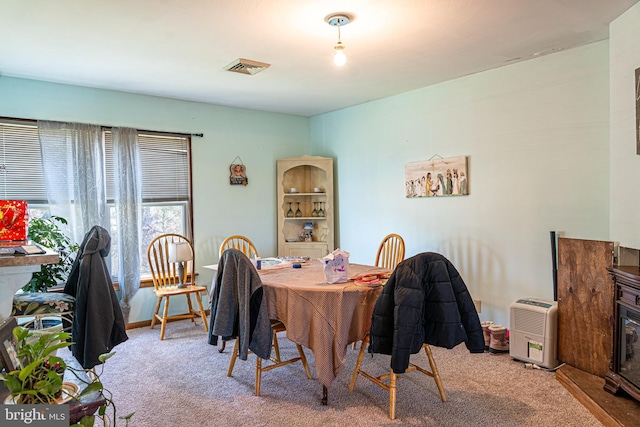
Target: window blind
{"points": [[21, 176], [164, 159], [164, 162]]}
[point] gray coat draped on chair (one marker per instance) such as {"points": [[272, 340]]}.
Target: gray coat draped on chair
{"points": [[98, 324], [424, 301], [238, 306]]}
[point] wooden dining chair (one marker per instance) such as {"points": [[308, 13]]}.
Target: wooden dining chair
{"points": [[167, 280], [392, 378], [241, 243], [276, 362], [244, 245], [240, 266], [390, 252]]}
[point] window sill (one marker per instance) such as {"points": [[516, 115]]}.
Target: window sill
{"points": [[145, 282]]}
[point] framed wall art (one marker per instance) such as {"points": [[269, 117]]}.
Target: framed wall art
{"points": [[8, 352], [437, 177], [13, 220]]}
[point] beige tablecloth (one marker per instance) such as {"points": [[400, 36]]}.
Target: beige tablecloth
{"points": [[322, 317]]}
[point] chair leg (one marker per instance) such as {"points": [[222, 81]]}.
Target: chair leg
{"points": [[190, 306], [155, 313], [434, 372], [356, 371], [276, 347], [258, 374], [276, 363], [303, 359], [38, 323], [203, 314], [165, 312], [392, 394], [234, 356]]}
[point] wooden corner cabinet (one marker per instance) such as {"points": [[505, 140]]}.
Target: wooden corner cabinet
{"points": [[305, 206]]}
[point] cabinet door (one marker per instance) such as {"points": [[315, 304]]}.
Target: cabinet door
{"points": [[585, 304]]}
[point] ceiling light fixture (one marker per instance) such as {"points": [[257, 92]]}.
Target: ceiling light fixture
{"points": [[339, 20]]}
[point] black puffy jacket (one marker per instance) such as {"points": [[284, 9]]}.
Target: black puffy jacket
{"points": [[424, 301]]}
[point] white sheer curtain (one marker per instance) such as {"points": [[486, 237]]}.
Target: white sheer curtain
{"points": [[73, 166], [74, 170], [128, 201]]}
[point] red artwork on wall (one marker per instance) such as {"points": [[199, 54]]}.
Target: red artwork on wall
{"points": [[13, 220]]}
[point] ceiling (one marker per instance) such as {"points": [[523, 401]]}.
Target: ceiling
{"points": [[179, 48]]}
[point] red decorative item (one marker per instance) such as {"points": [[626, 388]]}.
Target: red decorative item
{"points": [[13, 220]]}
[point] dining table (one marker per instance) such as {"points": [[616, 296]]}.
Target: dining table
{"points": [[323, 317]]}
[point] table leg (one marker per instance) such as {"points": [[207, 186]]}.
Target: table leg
{"points": [[325, 391]]}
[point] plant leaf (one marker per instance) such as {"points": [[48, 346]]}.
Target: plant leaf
{"points": [[91, 387], [27, 370], [106, 356], [86, 421], [55, 347]]}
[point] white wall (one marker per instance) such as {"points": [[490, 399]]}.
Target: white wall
{"points": [[219, 209], [536, 134], [625, 163]]}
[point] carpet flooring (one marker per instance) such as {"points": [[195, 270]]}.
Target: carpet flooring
{"points": [[181, 381]]}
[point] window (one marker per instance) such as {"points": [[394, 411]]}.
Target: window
{"points": [[166, 190], [165, 172]]}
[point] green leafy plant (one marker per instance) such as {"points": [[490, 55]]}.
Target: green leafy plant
{"points": [[47, 232], [39, 377]]}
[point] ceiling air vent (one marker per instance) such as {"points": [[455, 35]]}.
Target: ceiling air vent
{"points": [[246, 66]]}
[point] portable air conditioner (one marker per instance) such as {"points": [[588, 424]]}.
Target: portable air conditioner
{"points": [[533, 334]]}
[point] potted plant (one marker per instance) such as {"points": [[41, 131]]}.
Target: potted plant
{"points": [[48, 232], [38, 378]]}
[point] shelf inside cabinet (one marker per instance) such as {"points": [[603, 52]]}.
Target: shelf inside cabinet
{"points": [[306, 218]]}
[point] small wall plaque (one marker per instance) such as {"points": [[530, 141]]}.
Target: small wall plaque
{"points": [[238, 173]]}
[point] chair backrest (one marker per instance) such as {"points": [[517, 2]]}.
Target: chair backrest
{"points": [[241, 243], [390, 251], [234, 310], [163, 272]]}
